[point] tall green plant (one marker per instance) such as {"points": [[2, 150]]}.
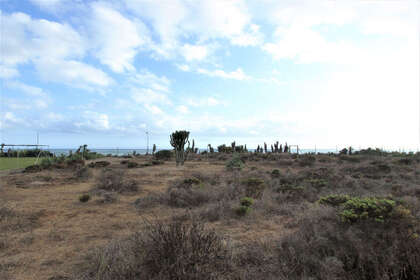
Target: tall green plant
{"points": [[178, 141]]}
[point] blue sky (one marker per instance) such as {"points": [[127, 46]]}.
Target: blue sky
{"points": [[325, 73]]}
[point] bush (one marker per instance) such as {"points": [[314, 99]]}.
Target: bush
{"points": [[113, 181], [324, 248], [254, 187], [132, 164], [334, 199], [82, 173], [242, 210], [306, 160], [275, 173], [164, 155], [84, 198], [235, 163], [172, 250], [247, 201], [356, 209]]}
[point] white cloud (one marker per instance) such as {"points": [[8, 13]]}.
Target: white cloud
{"points": [[206, 101], [73, 73], [182, 109], [150, 80], [35, 97], [148, 96], [52, 47], [155, 110], [115, 38], [237, 74], [94, 121], [184, 67], [194, 52]]}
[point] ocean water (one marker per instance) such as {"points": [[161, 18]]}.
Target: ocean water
{"points": [[128, 151]]}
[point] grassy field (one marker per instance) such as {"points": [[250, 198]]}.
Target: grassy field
{"points": [[13, 163]]}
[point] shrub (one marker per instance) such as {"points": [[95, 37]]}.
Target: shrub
{"points": [[334, 199], [318, 183], [247, 201], [132, 164], [82, 173], [99, 164], [84, 198], [235, 163], [356, 209], [171, 250], [322, 247], [164, 154], [275, 173], [306, 160], [113, 181], [242, 210], [254, 187]]}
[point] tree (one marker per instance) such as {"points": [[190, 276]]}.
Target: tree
{"points": [[178, 141]]}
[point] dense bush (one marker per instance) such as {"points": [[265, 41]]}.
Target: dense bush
{"points": [[235, 163], [113, 181], [254, 187], [84, 198], [164, 154], [171, 250], [325, 248]]}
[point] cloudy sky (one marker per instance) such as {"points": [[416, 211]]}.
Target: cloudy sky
{"points": [[330, 73]]}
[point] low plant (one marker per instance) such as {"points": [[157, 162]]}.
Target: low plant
{"points": [[275, 173], [254, 187], [235, 163], [84, 198], [112, 180], [164, 155], [247, 201], [242, 210]]}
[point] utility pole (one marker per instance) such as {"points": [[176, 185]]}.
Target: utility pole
{"points": [[37, 139], [147, 135]]}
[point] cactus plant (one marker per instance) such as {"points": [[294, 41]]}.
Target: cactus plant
{"points": [[178, 141]]}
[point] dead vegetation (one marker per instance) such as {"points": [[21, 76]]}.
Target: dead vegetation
{"points": [[265, 220]]}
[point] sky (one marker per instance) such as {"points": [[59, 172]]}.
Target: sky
{"points": [[102, 73]]}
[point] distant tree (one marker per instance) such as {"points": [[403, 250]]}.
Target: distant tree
{"points": [[178, 141]]}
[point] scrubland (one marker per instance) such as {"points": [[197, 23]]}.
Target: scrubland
{"points": [[220, 216]]}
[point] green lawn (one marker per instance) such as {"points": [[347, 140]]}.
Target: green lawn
{"points": [[13, 163]]}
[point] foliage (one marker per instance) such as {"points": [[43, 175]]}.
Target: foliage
{"points": [[254, 187], [242, 210], [235, 163], [334, 199], [84, 198], [113, 181], [247, 201], [275, 173], [356, 209], [178, 141], [163, 155]]}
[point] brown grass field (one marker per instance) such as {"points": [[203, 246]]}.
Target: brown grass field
{"points": [[47, 233]]}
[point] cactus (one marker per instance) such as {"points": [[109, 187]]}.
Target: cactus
{"points": [[281, 148], [265, 147], [178, 141], [272, 149], [211, 149], [286, 148], [154, 149]]}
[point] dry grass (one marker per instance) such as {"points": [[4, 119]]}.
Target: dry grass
{"points": [[49, 233]]}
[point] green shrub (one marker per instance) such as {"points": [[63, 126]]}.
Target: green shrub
{"points": [[247, 201], [84, 198], [334, 199], [275, 173], [242, 210], [235, 163], [356, 209], [318, 183], [164, 154], [254, 187], [132, 164], [46, 163]]}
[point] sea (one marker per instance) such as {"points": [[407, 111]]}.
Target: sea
{"points": [[130, 151]]}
